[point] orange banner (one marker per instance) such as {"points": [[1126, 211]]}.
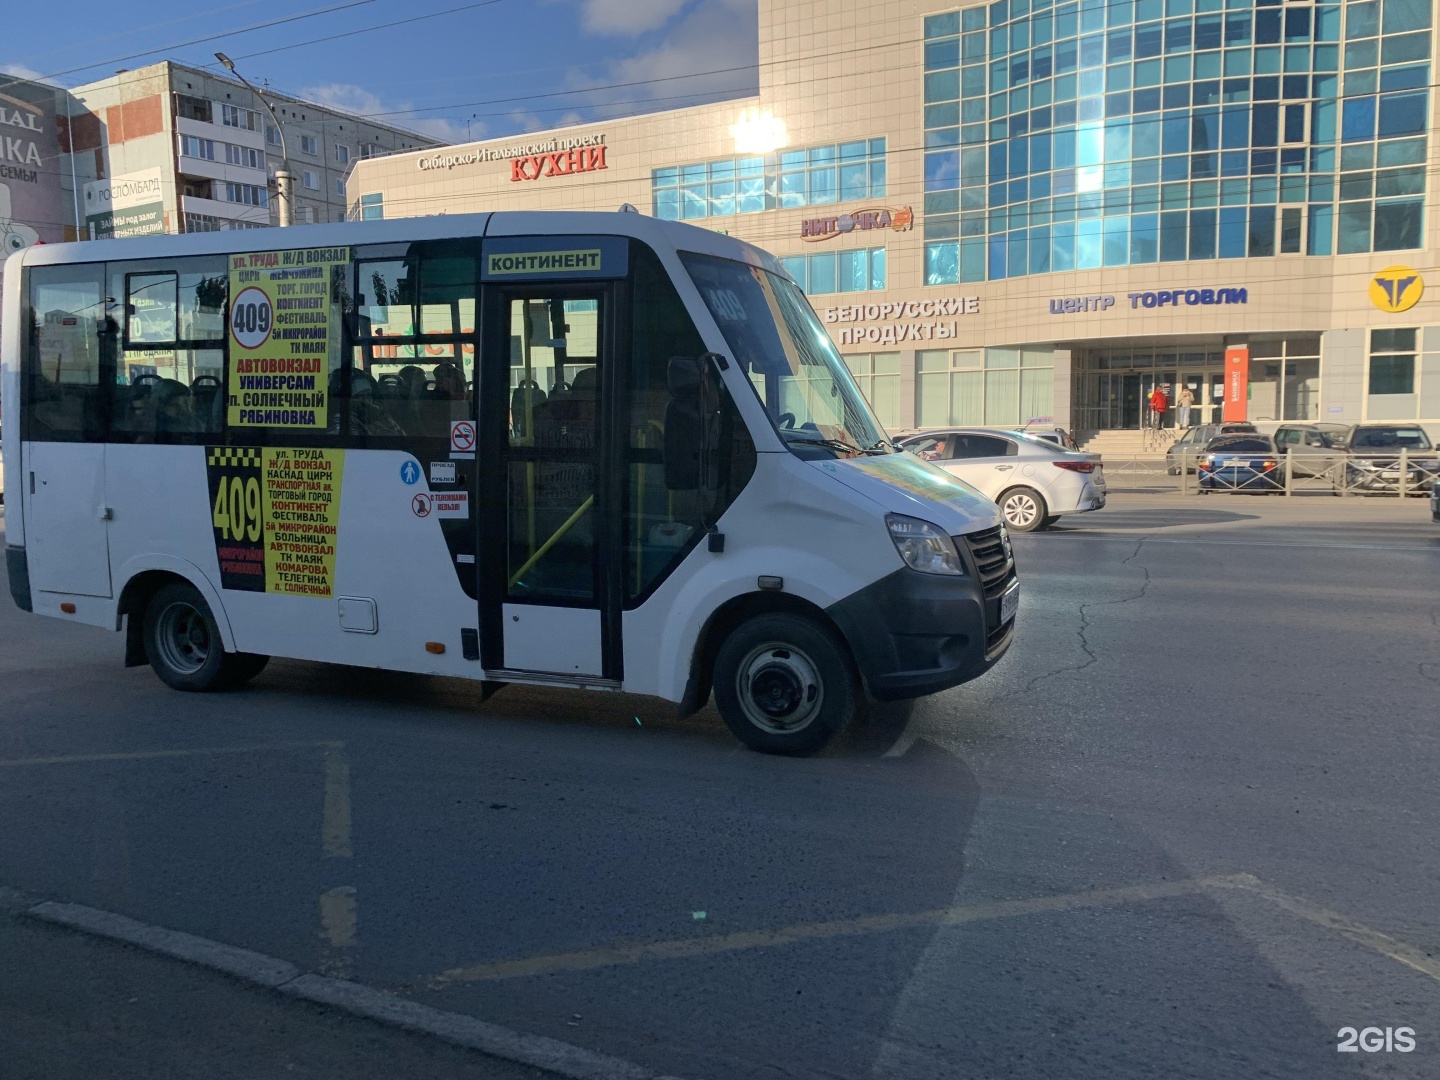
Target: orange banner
{"points": [[1237, 383]]}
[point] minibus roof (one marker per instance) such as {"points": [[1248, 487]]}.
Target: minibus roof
{"points": [[658, 234]]}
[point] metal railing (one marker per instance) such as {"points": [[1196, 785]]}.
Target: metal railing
{"points": [[1401, 474]]}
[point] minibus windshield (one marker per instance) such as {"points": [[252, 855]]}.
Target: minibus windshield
{"points": [[791, 362]]}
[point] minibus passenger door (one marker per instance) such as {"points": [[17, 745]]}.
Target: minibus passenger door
{"points": [[63, 459], [547, 528]]}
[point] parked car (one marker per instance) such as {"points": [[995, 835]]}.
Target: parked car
{"points": [[1051, 433], [1314, 448], [1241, 463], [1189, 445], [1033, 481], [1372, 463]]}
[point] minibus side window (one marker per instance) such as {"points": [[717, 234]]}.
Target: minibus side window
{"points": [[69, 325], [169, 379], [413, 362], [661, 525]]}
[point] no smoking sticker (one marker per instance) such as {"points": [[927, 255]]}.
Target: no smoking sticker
{"points": [[462, 436]]}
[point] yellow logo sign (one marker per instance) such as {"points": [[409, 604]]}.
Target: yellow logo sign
{"points": [[1396, 289]]}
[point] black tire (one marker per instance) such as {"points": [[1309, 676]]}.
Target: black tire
{"points": [[241, 667], [785, 685], [1050, 519], [183, 640], [1027, 507]]}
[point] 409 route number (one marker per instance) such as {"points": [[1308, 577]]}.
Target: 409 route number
{"points": [[236, 514], [251, 318]]}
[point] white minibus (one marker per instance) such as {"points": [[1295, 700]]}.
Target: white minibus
{"points": [[573, 449]]}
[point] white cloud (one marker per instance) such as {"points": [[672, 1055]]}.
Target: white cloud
{"points": [[20, 71], [358, 100], [717, 36], [628, 16]]}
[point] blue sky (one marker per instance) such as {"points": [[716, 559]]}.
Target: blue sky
{"points": [[490, 68]]}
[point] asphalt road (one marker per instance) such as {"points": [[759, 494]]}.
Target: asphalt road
{"points": [[1186, 829]]}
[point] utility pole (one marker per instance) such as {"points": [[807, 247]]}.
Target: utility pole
{"points": [[283, 188]]}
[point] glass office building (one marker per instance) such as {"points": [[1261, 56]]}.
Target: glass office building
{"points": [[1031, 209], [1075, 136]]}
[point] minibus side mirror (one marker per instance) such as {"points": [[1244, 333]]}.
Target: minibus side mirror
{"points": [[684, 432]]}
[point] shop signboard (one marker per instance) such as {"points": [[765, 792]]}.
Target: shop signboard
{"points": [[129, 205], [33, 207]]}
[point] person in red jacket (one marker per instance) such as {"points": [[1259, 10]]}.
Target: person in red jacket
{"points": [[1158, 404]]}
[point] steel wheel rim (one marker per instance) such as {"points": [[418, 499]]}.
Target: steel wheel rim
{"points": [[779, 688], [1021, 510], [183, 638]]}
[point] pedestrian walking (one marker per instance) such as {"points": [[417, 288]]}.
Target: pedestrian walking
{"points": [[1159, 403], [1184, 402]]}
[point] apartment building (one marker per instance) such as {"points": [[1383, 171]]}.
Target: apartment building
{"points": [[171, 148]]}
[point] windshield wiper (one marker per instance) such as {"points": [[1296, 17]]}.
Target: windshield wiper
{"points": [[829, 444], [881, 445]]}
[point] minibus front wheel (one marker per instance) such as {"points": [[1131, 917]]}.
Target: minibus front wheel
{"points": [[785, 684]]}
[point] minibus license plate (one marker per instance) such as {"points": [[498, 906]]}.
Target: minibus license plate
{"points": [[1009, 603]]}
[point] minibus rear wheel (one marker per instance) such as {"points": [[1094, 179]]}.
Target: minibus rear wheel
{"points": [[183, 641], [784, 684]]}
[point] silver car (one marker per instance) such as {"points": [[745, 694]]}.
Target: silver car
{"points": [[1031, 480]]}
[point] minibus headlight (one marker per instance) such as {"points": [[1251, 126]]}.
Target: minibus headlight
{"points": [[924, 547]]}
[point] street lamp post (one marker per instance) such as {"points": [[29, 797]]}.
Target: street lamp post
{"points": [[282, 174]]}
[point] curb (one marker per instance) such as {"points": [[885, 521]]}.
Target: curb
{"points": [[257, 969]]}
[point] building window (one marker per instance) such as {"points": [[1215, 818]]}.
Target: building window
{"points": [[1004, 387], [246, 156], [372, 207], [309, 145], [339, 187], [370, 150], [305, 215], [191, 146], [248, 194], [236, 117], [878, 377], [272, 136], [196, 187], [195, 223], [821, 175], [838, 271], [342, 154], [1132, 134], [1392, 361], [193, 108], [310, 180]]}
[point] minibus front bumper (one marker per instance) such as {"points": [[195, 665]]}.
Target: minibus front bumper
{"points": [[914, 634]]}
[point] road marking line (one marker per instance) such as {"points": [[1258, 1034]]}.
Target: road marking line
{"points": [[1246, 543], [142, 755], [588, 959], [561, 1058], [335, 819], [1397, 950]]}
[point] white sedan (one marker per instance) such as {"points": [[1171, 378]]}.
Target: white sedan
{"points": [[1031, 480]]}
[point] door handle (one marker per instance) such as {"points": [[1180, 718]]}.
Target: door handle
{"points": [[1003, 468], [106, 513]]}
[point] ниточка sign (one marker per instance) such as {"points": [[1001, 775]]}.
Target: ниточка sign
{"points": [[873, 217]]}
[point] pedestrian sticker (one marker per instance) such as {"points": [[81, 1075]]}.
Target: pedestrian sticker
{"points": [[451, 504], [462, 436], [442, 472], [410, 473], [283, 330], [421, 505], [275, 514]]}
